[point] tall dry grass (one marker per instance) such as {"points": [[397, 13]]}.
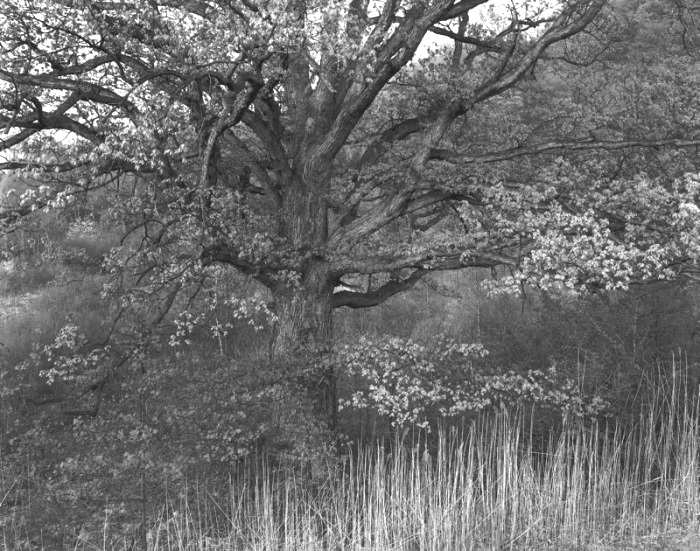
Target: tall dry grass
{"points": [[596, 487]]}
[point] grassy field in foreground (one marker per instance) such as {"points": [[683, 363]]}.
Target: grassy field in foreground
{"points": [[594, 488]]}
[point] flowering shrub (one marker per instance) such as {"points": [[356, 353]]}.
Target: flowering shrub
{"points": [[401, 379], [69, 357]]}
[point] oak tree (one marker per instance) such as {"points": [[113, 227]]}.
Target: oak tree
{"points": [[335, 151]]}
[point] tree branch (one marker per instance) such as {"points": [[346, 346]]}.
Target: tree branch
{"points": [[514, 153], [40, 120], [388, 60], [386, 212], [397, 132], [85, 90], [482, 44], [452, 259], [224, 255], [378, 296], [561, 29]]}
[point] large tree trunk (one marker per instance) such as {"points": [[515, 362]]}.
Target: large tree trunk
{"points": [[302, 337], [302, 334]]}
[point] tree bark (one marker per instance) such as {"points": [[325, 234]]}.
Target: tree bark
{"points": [[302, 337], [302, 333]]}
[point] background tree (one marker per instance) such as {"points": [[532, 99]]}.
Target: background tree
{"points": [[301, 144]]}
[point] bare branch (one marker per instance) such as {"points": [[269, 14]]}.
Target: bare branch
{"points": [[462, 39], [353, 299], [514, 153], [397, 132]]}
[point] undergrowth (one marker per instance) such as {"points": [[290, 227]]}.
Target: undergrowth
{"points": [[591, 487]]}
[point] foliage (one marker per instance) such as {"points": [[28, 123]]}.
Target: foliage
{"points": [[95, 424], [403, 380], [612, 344]]}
